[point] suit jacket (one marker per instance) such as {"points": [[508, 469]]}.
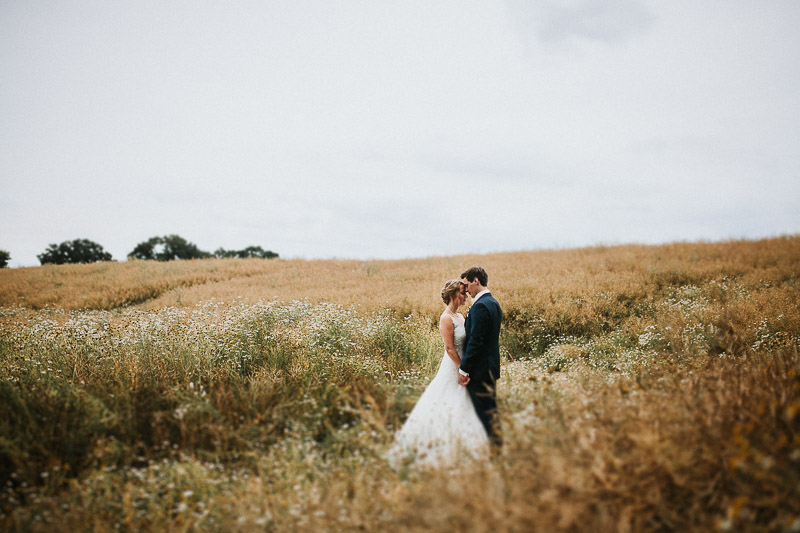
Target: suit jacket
{"points": [[482, 351]]}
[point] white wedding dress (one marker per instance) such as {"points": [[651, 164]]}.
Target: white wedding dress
{"points": [[443, 429]]}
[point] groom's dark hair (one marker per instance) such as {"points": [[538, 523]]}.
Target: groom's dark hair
{"points": [[476, 272]]}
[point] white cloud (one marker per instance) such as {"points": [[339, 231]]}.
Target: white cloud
{"points": [[551, 22]]}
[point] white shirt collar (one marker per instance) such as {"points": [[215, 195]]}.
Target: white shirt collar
{"points": [[477, 296]]}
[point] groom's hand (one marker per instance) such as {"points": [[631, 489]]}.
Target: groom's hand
{"points": [[463, 380]]}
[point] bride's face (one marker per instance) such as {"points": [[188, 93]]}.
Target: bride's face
{"points": [[462, 296]]}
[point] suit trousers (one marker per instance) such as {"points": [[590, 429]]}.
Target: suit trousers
{"points": [[484, 399]]}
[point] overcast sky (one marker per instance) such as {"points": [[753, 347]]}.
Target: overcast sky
{"points": [[395, 129]]}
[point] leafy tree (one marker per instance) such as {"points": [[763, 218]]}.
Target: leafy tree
{"points": [[4, 257], [147, 249], [250, 251], [167, 248], [75, 251]]}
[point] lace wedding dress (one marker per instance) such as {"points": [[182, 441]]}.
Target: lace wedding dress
{"points": [[442, 429]]}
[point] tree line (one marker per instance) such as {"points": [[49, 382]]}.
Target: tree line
{"points": [[166, 248]]}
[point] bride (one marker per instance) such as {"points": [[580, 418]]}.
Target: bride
{"points": [[443, 428]]}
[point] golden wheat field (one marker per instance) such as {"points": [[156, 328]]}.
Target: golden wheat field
{"points": [[643, 388]]}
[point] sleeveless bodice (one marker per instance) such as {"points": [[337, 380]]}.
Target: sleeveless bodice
{"points": [[459, 337]]}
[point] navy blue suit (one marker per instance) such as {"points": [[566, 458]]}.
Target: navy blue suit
{"points": [[482, 359]]}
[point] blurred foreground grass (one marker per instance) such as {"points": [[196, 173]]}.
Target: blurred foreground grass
{"points": [[644, 388]]}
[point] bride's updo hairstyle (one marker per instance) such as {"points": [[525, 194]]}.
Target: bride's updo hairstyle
{"points": [[450, 289]]}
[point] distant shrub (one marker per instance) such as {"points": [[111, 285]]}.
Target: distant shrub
{"points": [[250, 251], [75, 251], [167, 248], [4, 257]]}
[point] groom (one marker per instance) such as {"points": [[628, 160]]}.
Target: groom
{"points": [[480, 366]]}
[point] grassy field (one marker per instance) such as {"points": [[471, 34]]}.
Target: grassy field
{"points": [[644, 388]]}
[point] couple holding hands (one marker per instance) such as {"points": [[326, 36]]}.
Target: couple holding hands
{"points": [[456, 416]]}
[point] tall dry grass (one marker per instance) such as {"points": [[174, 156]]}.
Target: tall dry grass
{"points": [[110, 285], [644, 389], [552, 281], [545, 294]]}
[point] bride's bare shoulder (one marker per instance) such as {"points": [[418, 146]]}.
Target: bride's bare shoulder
{"points": [[448, 321], [445, 321]]}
